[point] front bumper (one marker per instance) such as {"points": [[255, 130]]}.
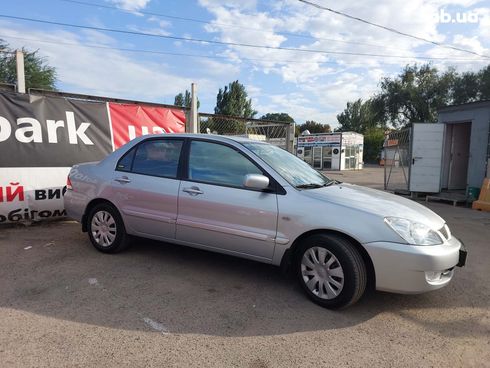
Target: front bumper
{"points": [[410, 269]]}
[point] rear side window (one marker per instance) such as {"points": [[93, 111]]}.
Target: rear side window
{"points": [[156, 157], [125, 162], [219, 164]]}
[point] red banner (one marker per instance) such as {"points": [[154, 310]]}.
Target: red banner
{"points": [[41, 137], [129, 121]]}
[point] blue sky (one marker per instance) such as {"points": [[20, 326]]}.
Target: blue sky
{"points": [[308, 86]]}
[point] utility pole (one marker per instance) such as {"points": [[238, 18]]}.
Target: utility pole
{"points": [[21, 79], [193, 114]]}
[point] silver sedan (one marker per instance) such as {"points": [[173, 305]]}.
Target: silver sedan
{"points": [[254, 200]]}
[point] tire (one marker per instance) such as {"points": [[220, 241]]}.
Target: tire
{"points": [[106, 229], [330, 270]]}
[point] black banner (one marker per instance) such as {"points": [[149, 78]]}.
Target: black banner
{"points": [[39, 131]]}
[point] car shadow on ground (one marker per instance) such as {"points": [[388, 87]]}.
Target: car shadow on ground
{"points": [[169, 288]]}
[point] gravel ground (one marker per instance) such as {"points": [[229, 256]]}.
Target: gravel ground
{"points": [[158, 305]]}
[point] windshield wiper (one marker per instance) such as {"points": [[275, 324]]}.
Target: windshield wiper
{"points": [[310, 186]]}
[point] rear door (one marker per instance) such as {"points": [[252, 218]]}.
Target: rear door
{"points": [[217, 212], [145, 187], [425, 169]]}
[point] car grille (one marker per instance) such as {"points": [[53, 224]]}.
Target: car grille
{"points": [[445, 232]]}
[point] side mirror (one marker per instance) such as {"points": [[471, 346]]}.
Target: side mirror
{"points": [[256, 181]]}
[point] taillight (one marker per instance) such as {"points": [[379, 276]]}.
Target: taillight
{"points": [[68, 183]]}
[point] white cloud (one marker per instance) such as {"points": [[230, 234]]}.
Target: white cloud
{"points": [[155, 31], [483, 23], [296, 105], [160, 22], [231, 4], [330, 80], [131, 5], [99, 71]]}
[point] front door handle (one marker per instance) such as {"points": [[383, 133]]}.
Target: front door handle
{"points": [[193, 190], [123, 180]]}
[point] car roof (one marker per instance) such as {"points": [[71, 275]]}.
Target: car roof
{"points": [[215, 137]]}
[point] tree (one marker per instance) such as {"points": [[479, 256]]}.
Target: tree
{"points": [[373, 144], [365, 118], [179, 100], [314, 127], [38, 74], [232, 100], [359, 116], [466, 88], [184, 100], [415, 94], [278, 116], [471, 86], [484, 84]]}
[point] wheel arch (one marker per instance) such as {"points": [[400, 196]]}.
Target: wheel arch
{"points": [[94, 202], [291, 253]]}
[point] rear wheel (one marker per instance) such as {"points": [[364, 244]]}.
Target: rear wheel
{"points": [[106, 229], [331, 271]]}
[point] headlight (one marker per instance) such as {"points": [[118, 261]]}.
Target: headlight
{"points": [[413, 232]]}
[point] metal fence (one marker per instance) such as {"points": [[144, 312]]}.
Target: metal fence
{"points": [[397, 157], [277, 133]]}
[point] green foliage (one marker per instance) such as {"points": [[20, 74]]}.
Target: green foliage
{"points": [[184, 100], [359, 116], [222, 126], [314, 127], [466, 88], [179, 100], [232, 100], [278, 116], [415, 94], [373, 143], [38, 74]]}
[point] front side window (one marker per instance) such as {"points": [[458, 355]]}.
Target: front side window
{"points": [[295, 171], [156, 157], [219, 164]]}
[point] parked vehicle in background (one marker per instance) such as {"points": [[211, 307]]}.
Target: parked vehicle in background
{"points": [[254, 200]]}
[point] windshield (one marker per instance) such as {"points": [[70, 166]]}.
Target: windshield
{"points": [[295, 171]]}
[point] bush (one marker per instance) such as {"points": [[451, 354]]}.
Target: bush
{"points": [[373, 144]]}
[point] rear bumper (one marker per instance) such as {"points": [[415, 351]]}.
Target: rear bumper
{"points": [[74, 205], [409, 269]]}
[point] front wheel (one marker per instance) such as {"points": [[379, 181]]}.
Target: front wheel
{"points": [[106, 229], [331, 271]]}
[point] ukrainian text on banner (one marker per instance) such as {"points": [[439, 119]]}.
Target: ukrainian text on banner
{"points": [[42, 137]]}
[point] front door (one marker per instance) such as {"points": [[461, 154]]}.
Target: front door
{"points": [[327, 158], [145, 187], [426, 160], [217, 212], [317, 158]]}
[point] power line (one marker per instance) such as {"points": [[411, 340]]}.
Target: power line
{"points": [[238, 44], [195, 20], [165, 52], [393, 29], [157, 52]]}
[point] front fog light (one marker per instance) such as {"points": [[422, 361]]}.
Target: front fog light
{"points": [[433, 275], [438, 277]]}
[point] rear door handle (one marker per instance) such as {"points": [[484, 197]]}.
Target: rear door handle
{"points": [[193, 190], [123, 180]]}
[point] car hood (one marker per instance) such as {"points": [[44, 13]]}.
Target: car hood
{"points": [[376, 202]]}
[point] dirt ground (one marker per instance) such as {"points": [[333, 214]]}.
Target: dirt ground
{"points": [[158, 305]]}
